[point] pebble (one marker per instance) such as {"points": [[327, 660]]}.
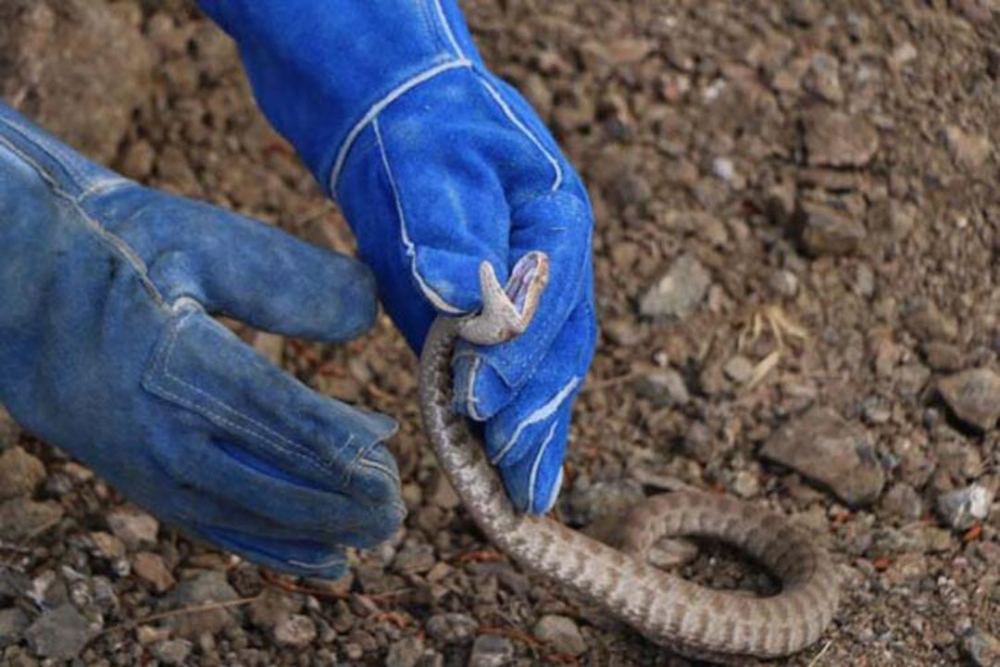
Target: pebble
{"points": [[133, 527], [205, 587], [453, 628], [926, 321], [561, 633], [836, 139], [150, 567], [974, 397], [296, 631], [274, 606], [679, 293], [823, 78], [21, 518], [969, 150], [982, 648], [738, 368], [20, 473], [903, 501], [828, 231], [963, 508], [491, 651], [942, 357], [13, 623], [664, 387], [414, 558], [60, 633], [405, 653], [824, 447], [172, 651]]}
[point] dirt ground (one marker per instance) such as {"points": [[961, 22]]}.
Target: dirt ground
{"points": [[798, 223]]}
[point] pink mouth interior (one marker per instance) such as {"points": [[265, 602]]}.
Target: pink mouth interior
{"points": [[521, 278]]}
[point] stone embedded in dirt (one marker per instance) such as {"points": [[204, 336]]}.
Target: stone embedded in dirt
{"points": [[205, 587], [829, 231], [678, 293], [969, 150], [453, 628], [297, 631], [942, 357], [405, 653], [273, 606], [663, 387], [13, 623], [738, 368], [982, 648], [963, 508], [926, 321], [823, 78], [20, 473], [973, 396], [836, 139], [561, 633], [491, 651], [21, 518], [172, 651], [441, 493], [133, 527], [824, 447], [587, 503], [107, 545], [150, 567], [902, 500], [414, 558], [60, 633], [75, 67]]}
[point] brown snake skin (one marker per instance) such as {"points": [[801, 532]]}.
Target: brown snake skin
{"points": [[686, 618]]}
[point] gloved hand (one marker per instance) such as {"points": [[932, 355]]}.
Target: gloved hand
{"points": [[107, 350], [438, 166]]}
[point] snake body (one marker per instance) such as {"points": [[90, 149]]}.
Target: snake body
{"points": [[686, 618]]}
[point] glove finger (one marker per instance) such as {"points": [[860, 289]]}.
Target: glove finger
{"points": [[257, 498], [202, 368], [298, 557], [244, 268], [559, 224], [527, 439]]}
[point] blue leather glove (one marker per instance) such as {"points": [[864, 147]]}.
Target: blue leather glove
{"points": [[106, 350], [438, 166]]}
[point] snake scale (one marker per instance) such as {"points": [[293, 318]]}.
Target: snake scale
{"points": [[686, 618]]}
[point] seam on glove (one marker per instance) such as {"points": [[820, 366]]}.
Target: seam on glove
{"points": [[411, 250], [161, 367], [538, 415], [117, 245], [507, 111], [380, 105], [537, 463], [447, 29]]}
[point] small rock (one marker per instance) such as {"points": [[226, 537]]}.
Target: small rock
{"points": [[679, 293], [491, 651], [969, 150], [414, 558], [746, 484], [107, 545], [21, 518], [586, 504], [738, 368], [13, 623], [826, 448], [296, 631], [672, 552], [133, 527], [172, 651], [942, 357], [974, 397], [9, 432], [405, 653], [274, 606], [835, 139], [60, 633], [828, 231], [663, 387], [20, 473], [982, 648], [926, 321], [451, 628], [561, 633], [823, 78], [963, 508], [902, 500], [784, 283], [441, 493], [205, 587], [151, 568]]}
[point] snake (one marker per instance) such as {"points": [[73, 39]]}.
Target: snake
{"points": [[683, 617]]}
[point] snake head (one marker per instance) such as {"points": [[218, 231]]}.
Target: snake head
{"points": [[507, 311]]}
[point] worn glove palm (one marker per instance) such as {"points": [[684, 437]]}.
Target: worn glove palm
{"points": [[107, 351], [438, 166]]}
